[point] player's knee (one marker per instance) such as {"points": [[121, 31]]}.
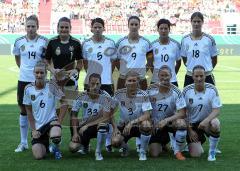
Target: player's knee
{"points": [[117, 141], [215, 126], [195, 149], [39, 151], [155, 149], [103, 127], [55, 134], [181, 124], [74, 147], [146, 127]]}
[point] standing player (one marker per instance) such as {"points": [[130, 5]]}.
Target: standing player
{"points": [[95, 104], [99, 53], [27, 50], [62, 52], [198, 48], [132, 53], [167, 115], [40, 101], [134, 121], [203, 108], [166, 51]]}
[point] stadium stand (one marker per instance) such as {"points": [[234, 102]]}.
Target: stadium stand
{"points": [[115, 13]]}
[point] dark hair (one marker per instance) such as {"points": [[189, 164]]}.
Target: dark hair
{"points": [[97, 20], [64, 19], [163, 21], [95, 75], [197, 14], [198, 67], [165, 67], [133, 17], [34, 18]]}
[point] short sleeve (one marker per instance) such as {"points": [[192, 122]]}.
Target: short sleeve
{"points": [[78, 52], [77, 104], [16, 48], [48, 51], [213, 48], [26, 97], [183, 52], [216, 102]]}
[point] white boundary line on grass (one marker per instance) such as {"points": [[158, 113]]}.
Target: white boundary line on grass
{"points": [[231, 68]]}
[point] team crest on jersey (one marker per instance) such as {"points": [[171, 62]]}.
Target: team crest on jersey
{"points": [[156, 51], [58, 51], [122, 103], [33, 97], [110, 51], [22, 48], [71, 48], [85, 105], [90, 50], [190, 101], [125, 50]]}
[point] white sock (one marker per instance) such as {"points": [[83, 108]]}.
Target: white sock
{"points": [[213, 142], [172, 140], [109, 136], [180, 138], [138, 141], [23, 122], [144, 142], [101, 136]]}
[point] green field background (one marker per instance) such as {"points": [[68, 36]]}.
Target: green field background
{"points": [[227, 75]]}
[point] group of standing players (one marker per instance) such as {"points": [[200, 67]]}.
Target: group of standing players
{"points": [[155, 114]]}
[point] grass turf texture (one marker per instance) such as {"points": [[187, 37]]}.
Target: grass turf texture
{"points": [[227, 77]]}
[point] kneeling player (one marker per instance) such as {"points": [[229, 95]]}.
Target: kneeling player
{"points": [[203, 107], [168, 114], [96, 115], [40, 99], [134, 116]]}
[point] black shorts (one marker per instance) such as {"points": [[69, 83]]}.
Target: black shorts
{"points": [[189, 80], [109, 88], [88, 134], [161, 135], [20, 91], [44, 138], [134, 132], [201, 133]]}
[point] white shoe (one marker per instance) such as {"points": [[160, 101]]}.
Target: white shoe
{"points": [[21, 148], [142, 156], [218, 151], [98, 156], [211, 156]]}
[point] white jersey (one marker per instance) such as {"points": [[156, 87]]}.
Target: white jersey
{"points": [[132, 108], [165, 55], [99, 56], [43, 102], [91, 107], [200, 104], [165, 105], [133, 55], [30, 52], [199, 52]]}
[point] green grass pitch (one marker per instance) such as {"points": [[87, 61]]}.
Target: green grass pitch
{"points": [[227, 75]]}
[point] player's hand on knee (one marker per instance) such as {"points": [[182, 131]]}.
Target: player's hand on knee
{"points": [[162, 123], [204, 124], [82, 129], [116, 132], [127, 129], [76, 138], [36, 134], [193, 136]]}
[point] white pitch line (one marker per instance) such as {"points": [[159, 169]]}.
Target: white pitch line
{"points": [[228, 67], [14, 69]]}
